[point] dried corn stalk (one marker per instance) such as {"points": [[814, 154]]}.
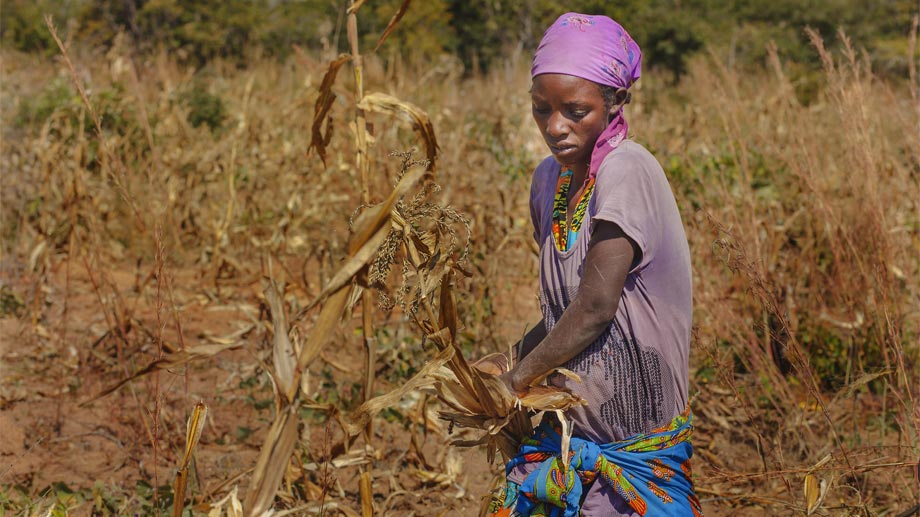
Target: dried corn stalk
{"points": [[425, 240], [279, 444]]}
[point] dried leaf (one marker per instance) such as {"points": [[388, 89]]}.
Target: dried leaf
{"points": [[354, 458], [566, 372], [495, 363], [549, 398], [322, 331], [36, 253], [499, 395], [272, 463], [324, 101], [452, 393], [572, 376], [495, 398], [355, 262], [448, 476], [229, 339], [433, 477], [192, 435], [383, 103], [232, 502], [193, 432], [812, 493], [567, 429], [359, 418], [283, 357], [392, 24], [173, 360]]}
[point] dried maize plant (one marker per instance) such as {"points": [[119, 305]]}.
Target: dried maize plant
{"points": [[420, 237], [429, 243], [432, 229], [291, 359]]}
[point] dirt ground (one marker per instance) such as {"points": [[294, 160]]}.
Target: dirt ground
{"points": [[57, 353], [53, 432]]}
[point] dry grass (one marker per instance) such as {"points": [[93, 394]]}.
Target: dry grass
{"points": [[803, 220]]}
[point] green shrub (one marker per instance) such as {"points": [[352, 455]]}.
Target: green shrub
{"points": [[56, 96], [204, 108], [23, 25]]}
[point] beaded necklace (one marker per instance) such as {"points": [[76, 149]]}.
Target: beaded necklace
{"points": [[566, 239]]}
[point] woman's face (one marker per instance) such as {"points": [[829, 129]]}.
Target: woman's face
{"points": [[570, 113]]}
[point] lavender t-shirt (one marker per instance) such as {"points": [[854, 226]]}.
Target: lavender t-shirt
{"points": [[634, 376]]}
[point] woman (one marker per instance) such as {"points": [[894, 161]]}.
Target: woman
{"points": [[615, 294]]}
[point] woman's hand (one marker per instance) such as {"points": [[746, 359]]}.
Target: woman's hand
{"points": [[508, 379], [497, 364]]}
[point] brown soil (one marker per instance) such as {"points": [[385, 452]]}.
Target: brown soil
{"points": [[58, 352], [51, 431]]}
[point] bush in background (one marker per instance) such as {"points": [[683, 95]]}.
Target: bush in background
{"points": [[480, 32]]}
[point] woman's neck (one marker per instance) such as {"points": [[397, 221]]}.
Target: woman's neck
{"points": [[579, 174]]}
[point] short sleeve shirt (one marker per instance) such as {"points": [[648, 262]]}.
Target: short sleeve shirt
{"points": [[634, 376]]}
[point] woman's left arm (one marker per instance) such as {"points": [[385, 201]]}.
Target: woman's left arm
{"points": [[610, 256]]}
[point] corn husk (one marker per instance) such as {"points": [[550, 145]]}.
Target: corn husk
{"points": [[501, 430]]}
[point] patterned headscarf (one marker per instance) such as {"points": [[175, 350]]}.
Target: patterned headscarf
{"points": [[598, 49]]}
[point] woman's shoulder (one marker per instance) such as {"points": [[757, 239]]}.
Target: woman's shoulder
{"points": [[630, 159], [549, 166], [546, 171], [631, 152]]}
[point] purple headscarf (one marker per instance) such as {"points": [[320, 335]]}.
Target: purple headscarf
{"points": [[598, 49]]}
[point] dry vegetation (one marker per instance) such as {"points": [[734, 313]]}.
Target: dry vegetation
{"points": [[156, 249]]}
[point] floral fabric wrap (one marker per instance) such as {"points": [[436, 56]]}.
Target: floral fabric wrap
{"points": [[651, 472]]}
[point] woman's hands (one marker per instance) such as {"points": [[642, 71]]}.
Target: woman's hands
{"points": [[499, 365], [508, 379]]}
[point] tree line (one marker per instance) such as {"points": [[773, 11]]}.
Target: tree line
{"points": [[480, 32]]}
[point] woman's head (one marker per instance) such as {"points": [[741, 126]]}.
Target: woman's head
{"points": [[571, 113], [581, 73]]}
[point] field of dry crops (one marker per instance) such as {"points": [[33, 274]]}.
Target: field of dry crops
{"points": [[167, 257]]}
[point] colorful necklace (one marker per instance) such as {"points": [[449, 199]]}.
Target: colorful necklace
{"points": [[565, 238]]}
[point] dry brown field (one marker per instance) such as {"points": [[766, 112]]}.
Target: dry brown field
{"points": [[142, 252]]}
